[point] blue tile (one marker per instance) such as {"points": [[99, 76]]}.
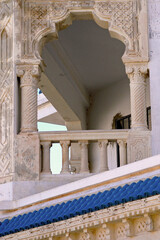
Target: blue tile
{"points": [[94, 202]]}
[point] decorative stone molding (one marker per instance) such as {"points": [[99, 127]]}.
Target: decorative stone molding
{"points": [[27, 155], [103, 233], [127, 221], [6, 92], [86, 235], [137, 74], [128, 227], [122, 18], [138, 145], [29, 75]]}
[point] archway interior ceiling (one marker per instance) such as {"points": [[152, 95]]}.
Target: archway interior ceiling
{"points": [[85, 54]]}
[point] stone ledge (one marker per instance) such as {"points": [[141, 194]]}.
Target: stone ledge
{"points": [[128, 173]]}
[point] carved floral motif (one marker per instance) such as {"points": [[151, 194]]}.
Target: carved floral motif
{"points": [[6, 99], [41, 17]]}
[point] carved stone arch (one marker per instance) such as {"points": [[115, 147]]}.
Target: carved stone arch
{"points": [[122, 18], [43, 37], [66, 20]]}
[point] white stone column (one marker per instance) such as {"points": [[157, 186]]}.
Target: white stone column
{"points": [[84, 156], [65, 156], [137, 74], [29, 75], [46, 157], [122, 152], [103, 161]]}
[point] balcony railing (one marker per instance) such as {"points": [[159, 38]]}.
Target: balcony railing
{"points": [[83, 138]]}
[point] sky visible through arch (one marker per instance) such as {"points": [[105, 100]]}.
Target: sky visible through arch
{"points": [[55, 151]]}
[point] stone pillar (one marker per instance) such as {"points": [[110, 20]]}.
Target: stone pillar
{"points": [[103, 163], [122, 152], [46, 157], [29, 75], [65, 156], [137, 74], [84, 156]]}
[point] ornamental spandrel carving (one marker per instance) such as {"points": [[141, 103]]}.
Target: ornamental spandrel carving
{"points": [[41, 18], [5, 132], [121, 15], [6, 88], [5, 40]]}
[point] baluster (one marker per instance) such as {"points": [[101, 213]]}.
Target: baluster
{"points": [[46, 157], [84, 156], [103, 155], [65, 156], [122, 151]]}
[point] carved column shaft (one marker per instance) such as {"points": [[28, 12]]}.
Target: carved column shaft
{"points": [[122, 152], [65, 156], [137, 74], [84, 156], [103, 155], [46, 157], [29, 82]]}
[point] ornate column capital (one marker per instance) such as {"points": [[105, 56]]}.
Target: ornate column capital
{"points": [[102, 143], [64, 143], [29, 74], [83, 143], [137, 72], [46, 144], [122, 142]]}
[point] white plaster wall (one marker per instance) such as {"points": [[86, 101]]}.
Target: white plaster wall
{"points": [[109, 101], [105, 105], [154, 65]]}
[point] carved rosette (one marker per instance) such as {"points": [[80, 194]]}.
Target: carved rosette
{"points": [[29, 75], [138, 74], [86, 235]]}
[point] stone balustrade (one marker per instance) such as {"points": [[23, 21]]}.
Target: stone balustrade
{"points": [[84, 138]]}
